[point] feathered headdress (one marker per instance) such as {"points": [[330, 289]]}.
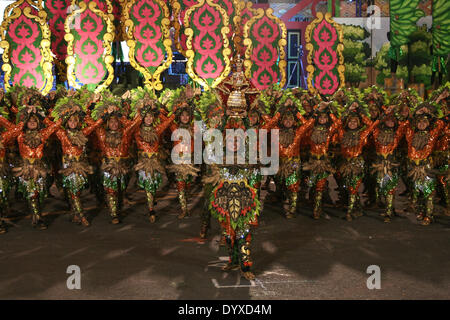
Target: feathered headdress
{"points": [[354, 111], [289, 103], [209, 104], [375, 94], [108, 106], [145, 101], [30, 96], [67, 107], [28, 111], [270, 96], [425, 110], [408, 97], [12, 95]]}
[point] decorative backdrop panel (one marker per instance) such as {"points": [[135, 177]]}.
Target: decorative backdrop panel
{"points": [[265, 38], [26, 42], [57, 11], [208, 51], [325, 69], [148, 29], [89, 48]]}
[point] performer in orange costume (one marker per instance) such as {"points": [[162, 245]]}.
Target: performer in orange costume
{"points": [[353, 136], [153, 124], [10, 132], [114, 141], [441, 154], [185, 172], [291, 135], [422, 138], [387, 136], [325, 126], [75, 168], [31, 175]]}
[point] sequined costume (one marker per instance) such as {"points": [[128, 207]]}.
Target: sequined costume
{"points": [[10, 133], [441, 158], [149, 168], [420, 169], [75, 169], [115, 163], [387, 164], [319, 164], [236, 205], [185, 173], [289, 174], [31, 174], [352, 168]]}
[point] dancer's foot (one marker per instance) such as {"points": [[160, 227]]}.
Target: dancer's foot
{"points": [[230, 267], [182, 215], [115, 220], [85, 222], [248, 275], [152, 218], [426, 221], [41, 225], [289, 215], [76, 219], [203, 231]]}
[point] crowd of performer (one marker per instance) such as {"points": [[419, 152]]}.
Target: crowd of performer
{"points": [[79, 140]]}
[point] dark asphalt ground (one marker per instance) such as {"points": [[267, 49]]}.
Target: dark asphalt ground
{"points": [[294, 259]]}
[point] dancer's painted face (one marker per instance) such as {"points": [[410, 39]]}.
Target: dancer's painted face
{"points": [[253, 118], [405, 111], [323, 119], [423, 124], [113, 124], [288, 121], [185, 118], [148, 120], [32, 123], [73, 122], [389, 123], [353, 123], [306, 106], [373, 112]]}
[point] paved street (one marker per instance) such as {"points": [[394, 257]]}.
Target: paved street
{"points": [[294, 259]]}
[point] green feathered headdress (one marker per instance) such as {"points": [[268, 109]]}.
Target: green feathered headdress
{"points": [[144, 100], [375, 93], [12, 95], [108, 106], [361, 109], [270, 96], [209, 104], [289, 103], [67, 107], [27, 111]]}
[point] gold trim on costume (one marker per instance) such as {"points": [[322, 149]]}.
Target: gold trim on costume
{"points": [[340, 48], [108, 38], [190, 53], [13, 12], [152, 81]]}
